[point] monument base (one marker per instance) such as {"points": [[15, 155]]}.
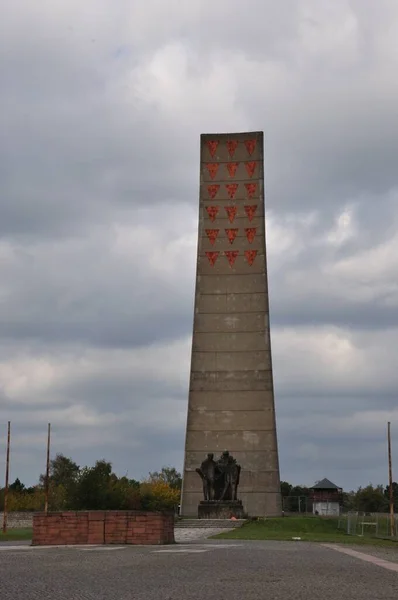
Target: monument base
{"points": [[208, 509]]}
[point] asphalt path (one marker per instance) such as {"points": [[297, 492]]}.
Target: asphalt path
{"points": [[219, 569]]}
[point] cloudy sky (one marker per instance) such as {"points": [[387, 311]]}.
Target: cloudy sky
{"points": [[101, 108]]}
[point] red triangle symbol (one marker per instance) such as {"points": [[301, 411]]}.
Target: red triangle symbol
{"points": [[231, 212], [231, 256], [231, 234], [250, 168], [231, 189], [250, 234], [251, 189], [212, 146], [213, 189], [232, 168], [250, 210], [250, 256], [232, 146], [250, 146], [212, 235], [212, 256], [212, 212], [212, 168]]}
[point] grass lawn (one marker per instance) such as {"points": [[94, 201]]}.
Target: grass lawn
{"points": [[16, 534], [309, 529]]}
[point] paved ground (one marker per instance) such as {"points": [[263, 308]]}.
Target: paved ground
{"points": [[232, 570], [195, 533]]}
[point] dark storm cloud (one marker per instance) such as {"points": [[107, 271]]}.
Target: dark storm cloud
{"points": [[101, 110]]}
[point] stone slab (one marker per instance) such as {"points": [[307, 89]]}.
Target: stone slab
{"points": [[231, 303], [231, 420], [234, 441], [233, 322], [230, 361], [248, 283], [230, 400], [230, 341], [220, 510], [225, 381]]}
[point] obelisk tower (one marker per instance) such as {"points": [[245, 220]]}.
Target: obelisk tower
{"points": [[231, 396]]}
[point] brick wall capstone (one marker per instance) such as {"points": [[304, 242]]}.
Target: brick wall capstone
{"points": [[103, 527]]}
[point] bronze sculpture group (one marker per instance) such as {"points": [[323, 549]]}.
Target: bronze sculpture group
{"points": [[220, 478]]}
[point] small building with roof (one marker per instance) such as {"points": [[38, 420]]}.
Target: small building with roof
{"points": [[326, 498]]}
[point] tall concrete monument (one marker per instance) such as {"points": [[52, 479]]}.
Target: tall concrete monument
{"points": [[231, 396]]}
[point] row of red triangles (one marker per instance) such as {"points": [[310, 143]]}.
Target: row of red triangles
{"points": [[231, 188], [231, 234], [232, 167], [231, 146], [231, 211], [231, 256]]}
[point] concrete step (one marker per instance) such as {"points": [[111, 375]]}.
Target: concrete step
{"points": [[208, 523]]}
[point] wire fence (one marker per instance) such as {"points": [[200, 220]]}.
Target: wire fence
{"points": [[297, 504], [361, 524]]}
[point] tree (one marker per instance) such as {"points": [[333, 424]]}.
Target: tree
{"points": [[91, 491], [158, 495], [349, 500], [17, 487], [168, 475], [299, 490], [63, 471], [371, 499], [285, 489]]}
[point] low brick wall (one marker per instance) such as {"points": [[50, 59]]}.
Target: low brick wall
{"points": [[103, 527]]}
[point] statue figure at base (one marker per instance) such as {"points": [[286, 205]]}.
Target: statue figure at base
{"points": [[207, 472], [220, 486], [220, 478], [229, 471]]}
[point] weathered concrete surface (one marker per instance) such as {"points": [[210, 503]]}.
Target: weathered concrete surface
{"points": [[18, 519], [193, 571], [231, 398]]}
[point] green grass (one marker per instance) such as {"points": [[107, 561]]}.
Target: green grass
{"points": [[16, 534], [309, 529]]}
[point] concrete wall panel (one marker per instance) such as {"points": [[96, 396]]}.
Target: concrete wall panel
{"points": [[228, 400], [231, 361], [230, 342], [229, 420], [225, 381], [234, 441], [232, 322], [229, 284], [230, 303]]}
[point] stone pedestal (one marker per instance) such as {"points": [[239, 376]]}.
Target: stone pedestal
{"points": [[220, 510]]}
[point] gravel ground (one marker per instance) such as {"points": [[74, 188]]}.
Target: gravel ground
{"points": [[223, 569], [390, 553], [198, 533]]}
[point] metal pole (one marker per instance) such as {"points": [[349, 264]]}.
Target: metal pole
{"points": [[390, 481], [7, 477], [47, 469]]}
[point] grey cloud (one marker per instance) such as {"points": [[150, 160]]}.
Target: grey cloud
{"points": [[89, 148]]}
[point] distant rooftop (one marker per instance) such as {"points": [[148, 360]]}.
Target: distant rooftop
{"points": [[325, 484]]}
